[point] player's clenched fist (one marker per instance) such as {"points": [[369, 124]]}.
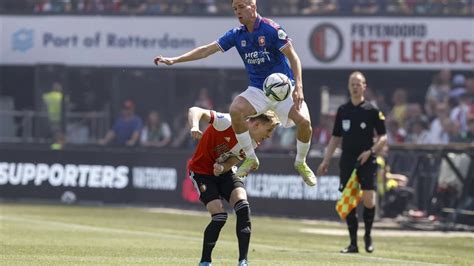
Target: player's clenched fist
{"points": [[196, 133], [163, 60], [218, 169]]}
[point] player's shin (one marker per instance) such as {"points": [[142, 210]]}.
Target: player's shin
{"points": [[353, 226], [245, 141], [302, 150], [243, 227], [211, 234], [368, 221]]}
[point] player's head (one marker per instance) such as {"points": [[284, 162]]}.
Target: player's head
{"points": [[245, 10], [262, 126], [357, 84]]}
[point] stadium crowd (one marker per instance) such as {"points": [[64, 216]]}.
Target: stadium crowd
{"points": [[223, 7]]}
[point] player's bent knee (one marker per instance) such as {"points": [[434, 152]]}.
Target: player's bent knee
{"points": [[237, 195], [215, 206]]}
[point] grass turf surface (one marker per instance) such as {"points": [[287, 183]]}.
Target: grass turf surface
{"points": [[57, 234]]}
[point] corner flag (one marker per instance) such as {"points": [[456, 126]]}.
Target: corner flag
{"points": [[351, 196]]}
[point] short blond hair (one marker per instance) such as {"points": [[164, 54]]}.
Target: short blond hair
{"points": [[267, 117]]}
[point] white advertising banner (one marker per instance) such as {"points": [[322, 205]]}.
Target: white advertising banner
{"points": [[333, 43]]}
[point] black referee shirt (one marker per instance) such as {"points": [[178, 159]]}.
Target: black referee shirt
{"points": [[357, 126]]}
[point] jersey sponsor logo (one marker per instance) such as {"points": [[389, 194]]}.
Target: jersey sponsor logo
{"points": [[326, 42], [257, 57], [243, 43], [221, 148], [282, 34], [346, 124], [363, 125], [261, 40]]}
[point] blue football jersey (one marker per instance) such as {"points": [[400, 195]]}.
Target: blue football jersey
{"points": [[260, 50]]}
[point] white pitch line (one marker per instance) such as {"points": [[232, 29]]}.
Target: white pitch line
{"points": [[389, 233], [35, 220]]}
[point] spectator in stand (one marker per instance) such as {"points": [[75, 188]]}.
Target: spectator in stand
{"points": [[438, 92], [135, 6], [53, 103], [204, 100], [126, 130], [314, 7], [415, 114], [470, 88], [44, 6], [436, 127], [322, 132], [156, 7], [469, 136], [458, 86], [156, 133], [418, 132], [382, 104], [364, 7], [459, 114], [283, 7], [399, 110], [399, 7], [180, 131], [451, 131], [395, 133]]}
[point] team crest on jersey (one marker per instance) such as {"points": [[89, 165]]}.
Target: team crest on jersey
{"points": [[346, 125], [362, 125], [227, 139], [243, 43], [261, 40]]}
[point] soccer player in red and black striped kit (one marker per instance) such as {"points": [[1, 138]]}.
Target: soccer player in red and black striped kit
{"points": [[213, 173], [357, 124]]}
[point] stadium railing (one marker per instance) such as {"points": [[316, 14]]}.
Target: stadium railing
{"points": [[28, 126]]}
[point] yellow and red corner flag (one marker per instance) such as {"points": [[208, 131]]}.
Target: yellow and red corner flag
{"points": [[351, 196]]}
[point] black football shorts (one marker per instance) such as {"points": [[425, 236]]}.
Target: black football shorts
{"points": [[212, 187]]}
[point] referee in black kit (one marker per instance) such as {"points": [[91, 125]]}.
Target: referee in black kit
{"points": [[356, 124]]}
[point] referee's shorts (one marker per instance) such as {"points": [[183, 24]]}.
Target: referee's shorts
{"points": [[367, 172]]}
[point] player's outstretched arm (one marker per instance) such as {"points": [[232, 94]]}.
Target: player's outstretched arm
{"points": [[196, 114], [295, 63], [195, 54]]}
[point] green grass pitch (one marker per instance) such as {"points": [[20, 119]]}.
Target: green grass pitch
{"points": [[92, 235]]}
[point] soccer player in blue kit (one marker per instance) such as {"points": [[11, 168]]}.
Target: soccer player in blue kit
{"points": [[264, 48]]}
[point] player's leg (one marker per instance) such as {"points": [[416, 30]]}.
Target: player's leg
{"points": [[234, 192], [209, 195], [346, 165], [368, 199], [248, 103], [368, 172], [243, 228], [213, 229], [303, 142]]}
